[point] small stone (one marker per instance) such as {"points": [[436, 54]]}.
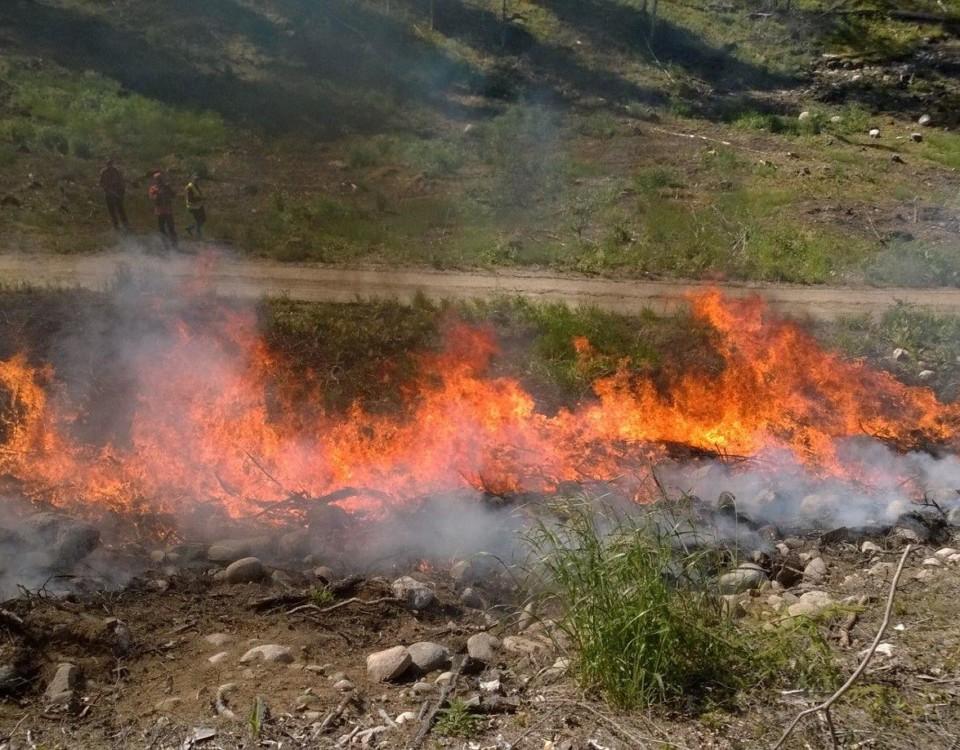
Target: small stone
{"points": [[916, 137], [218, 639], [953, 516], [422, 688], [405, 718], [471, 598], [167, 705], [900, 354], [897, 159], [954, 558], [815, 570], [308, 701], [932, 562], [870, 548], [810, 604], [483, 647], [881, 570], [427, 656], [924, 120], [270, 652], [926, 375], [946, 552], [389, 664], [416, 594], [874, 132], [835, 119], [741, 579], [491, 686], [60, 691], [732, 607], [343, 686], [324, 574], [804, 116], [527, 616], [218, 658], [244, 570], [443, 678], [463, 572]]}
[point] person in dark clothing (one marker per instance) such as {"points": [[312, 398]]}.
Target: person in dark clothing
{"points": [[114, 187], [195, 207], [162, 195]]}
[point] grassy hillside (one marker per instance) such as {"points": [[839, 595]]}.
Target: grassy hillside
{"points": [[587, 135]]}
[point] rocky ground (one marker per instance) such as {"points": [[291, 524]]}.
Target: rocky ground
{"points": [[263, 641]]}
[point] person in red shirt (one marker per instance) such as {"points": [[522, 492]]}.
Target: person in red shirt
{"points": [[114, 187], [162, 195]]}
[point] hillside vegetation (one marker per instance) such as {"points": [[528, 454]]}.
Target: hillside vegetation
{"points": [[599, 136]]}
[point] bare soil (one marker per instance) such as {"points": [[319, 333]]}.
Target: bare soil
{"points": [[317, 283]]}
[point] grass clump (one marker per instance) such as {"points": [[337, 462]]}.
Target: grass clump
{"points": [[457, 721], [647, 624]]}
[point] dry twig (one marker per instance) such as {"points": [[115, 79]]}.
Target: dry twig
{"points": [[345, 602], [825, 706], [426, 724]]}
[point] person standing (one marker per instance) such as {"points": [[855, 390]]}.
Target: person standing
{"points": [[114, 187], [195, 207], [162, 195]]}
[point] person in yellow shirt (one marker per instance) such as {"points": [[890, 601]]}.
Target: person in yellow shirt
{"points": [[195, 207]]}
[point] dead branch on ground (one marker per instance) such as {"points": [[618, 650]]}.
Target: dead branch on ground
{"points": [[825, 706], [426, 723]]}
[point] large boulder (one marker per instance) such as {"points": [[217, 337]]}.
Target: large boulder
{"points": [[384, 666], [427, 656]]}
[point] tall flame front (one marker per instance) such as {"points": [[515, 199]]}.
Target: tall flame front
{"points": [[210, 423]]}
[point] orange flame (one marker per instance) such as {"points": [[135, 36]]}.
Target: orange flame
{"points": [[208, 423]]}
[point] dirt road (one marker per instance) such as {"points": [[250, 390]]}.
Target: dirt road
{"points": [[255, 278]]}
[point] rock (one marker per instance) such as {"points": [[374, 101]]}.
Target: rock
{"points": [[384, 666], [932, 562], [527, 616], [416, 594], [218, 639], [443, 678], [406, 717], [810, 604], [870, 548], [836, 119], [874, 132], [491, 686], [954, 558], [897, 159], [270, 652], [946, 552], [924, 120], [916, 137], [881, 570], [422, 688], [167, 705], [244, 570], [231, 550], [483, 647], [325, 574], [64, 540], [218, 658], [742, 579], [926, 375], [343, 685], [804, 116], [308, 701], [471, 598], [427, 656], [464, 572], [900, 355], [953, 516], [815, 571], [60, 691]]}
